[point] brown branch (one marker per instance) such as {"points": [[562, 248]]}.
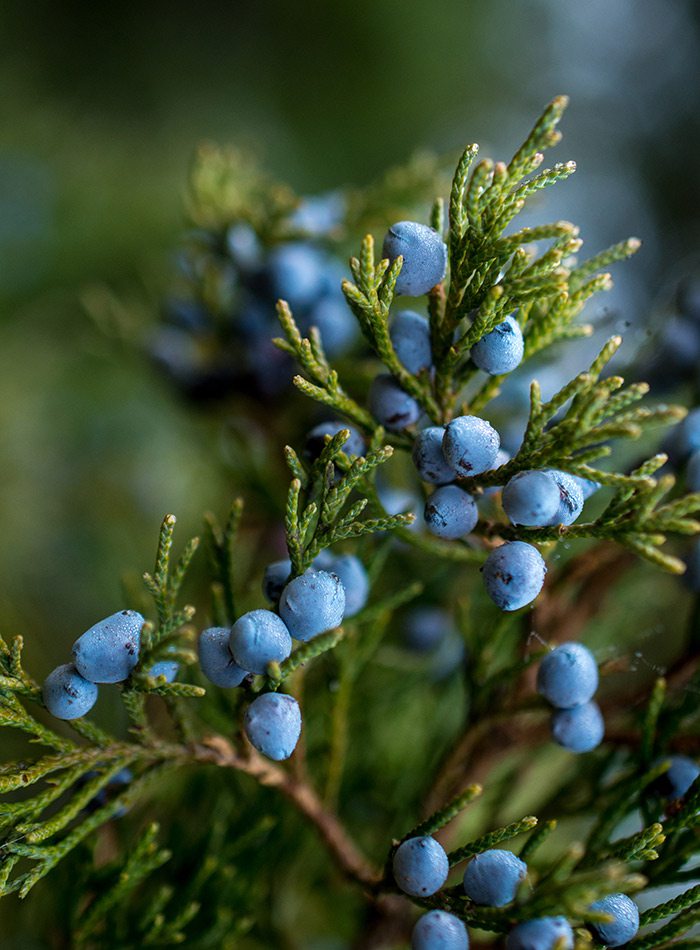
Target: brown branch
{"points": [[218, 751]]}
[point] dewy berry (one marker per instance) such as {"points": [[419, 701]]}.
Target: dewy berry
{"points": [[514, 574], [312, 603], [316, 439], [273, 725], [570, 497], [470, 445], [531, 498], [390, 405], [259, 638], [625, 920], [68, 695], [109, 650], [428, 458], [676, 781], [501, 350], [580, 729], [492, 878], [439, 930], [568, 676], [542, 933], [410, 337], [450, 512], [424, 256], [216, 660], [353, 577], [420, 866]]}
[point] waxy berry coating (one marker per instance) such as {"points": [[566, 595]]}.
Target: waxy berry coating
{"points": [[514, 574], [580, 729], [542, 933], [568, 676], [424, 256], [273, 725], [390, 405], [312, 603], [531, 498], [353, 577], [109, 650], [410, 337], [428, 458], [420, 866], [439, 930], [216, 660], [501, 350], [625, 922], [492, 878], [258, 638], [450, 512], [470, 445], [570, 497], [68, 695]]}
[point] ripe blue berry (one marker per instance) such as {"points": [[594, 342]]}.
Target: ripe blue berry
{"points": [[274, 578], [580, 729], [692, 472], [686, 438], [312, 603], [439, 930], [296, 273], [514, 574], [681, 774], [424, 256], [625, 922], [109, 650], [390, 405], [450, 512], [420, 866], [353, 577], [501, 350], [66, 694], [216, 660], [319, 215], [244, 246], [426, 627], [568, 676], [167, 668], [587, 487], [492, 878], [410, 336], [570, 497], [335, 322], [273, 725], [258, 638], [428, 458], [531, 498], [470, 445], [316, 439], [540, 934]]}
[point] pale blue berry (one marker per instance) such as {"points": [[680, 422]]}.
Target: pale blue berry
{"points": [[424, 256], [420, 866], [470, 445], [390, 405], [428, 458], [259, 638], [244, 246], [109, 650], [492, 878], [514, 574], [315, 442], [410, 336], [297, 273], [580, 729], [216, 660], [531, 498], [568, 676], [587, 487], [625, 920], [312, 603], [336, 324], [686, 438], [353, 577], [68, 695], [439, 930], [543, 933], [676, 781], [167, 668], [273, 725], [450, 512], [425, 628], [319, 215], [570, 497], [501, 350]]}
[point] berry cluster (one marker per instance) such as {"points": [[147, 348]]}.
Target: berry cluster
{"points": [[306, 606], [568, 679], [491, 879]]}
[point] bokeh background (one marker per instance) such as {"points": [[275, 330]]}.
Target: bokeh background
{"points": [[101, 107]]}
